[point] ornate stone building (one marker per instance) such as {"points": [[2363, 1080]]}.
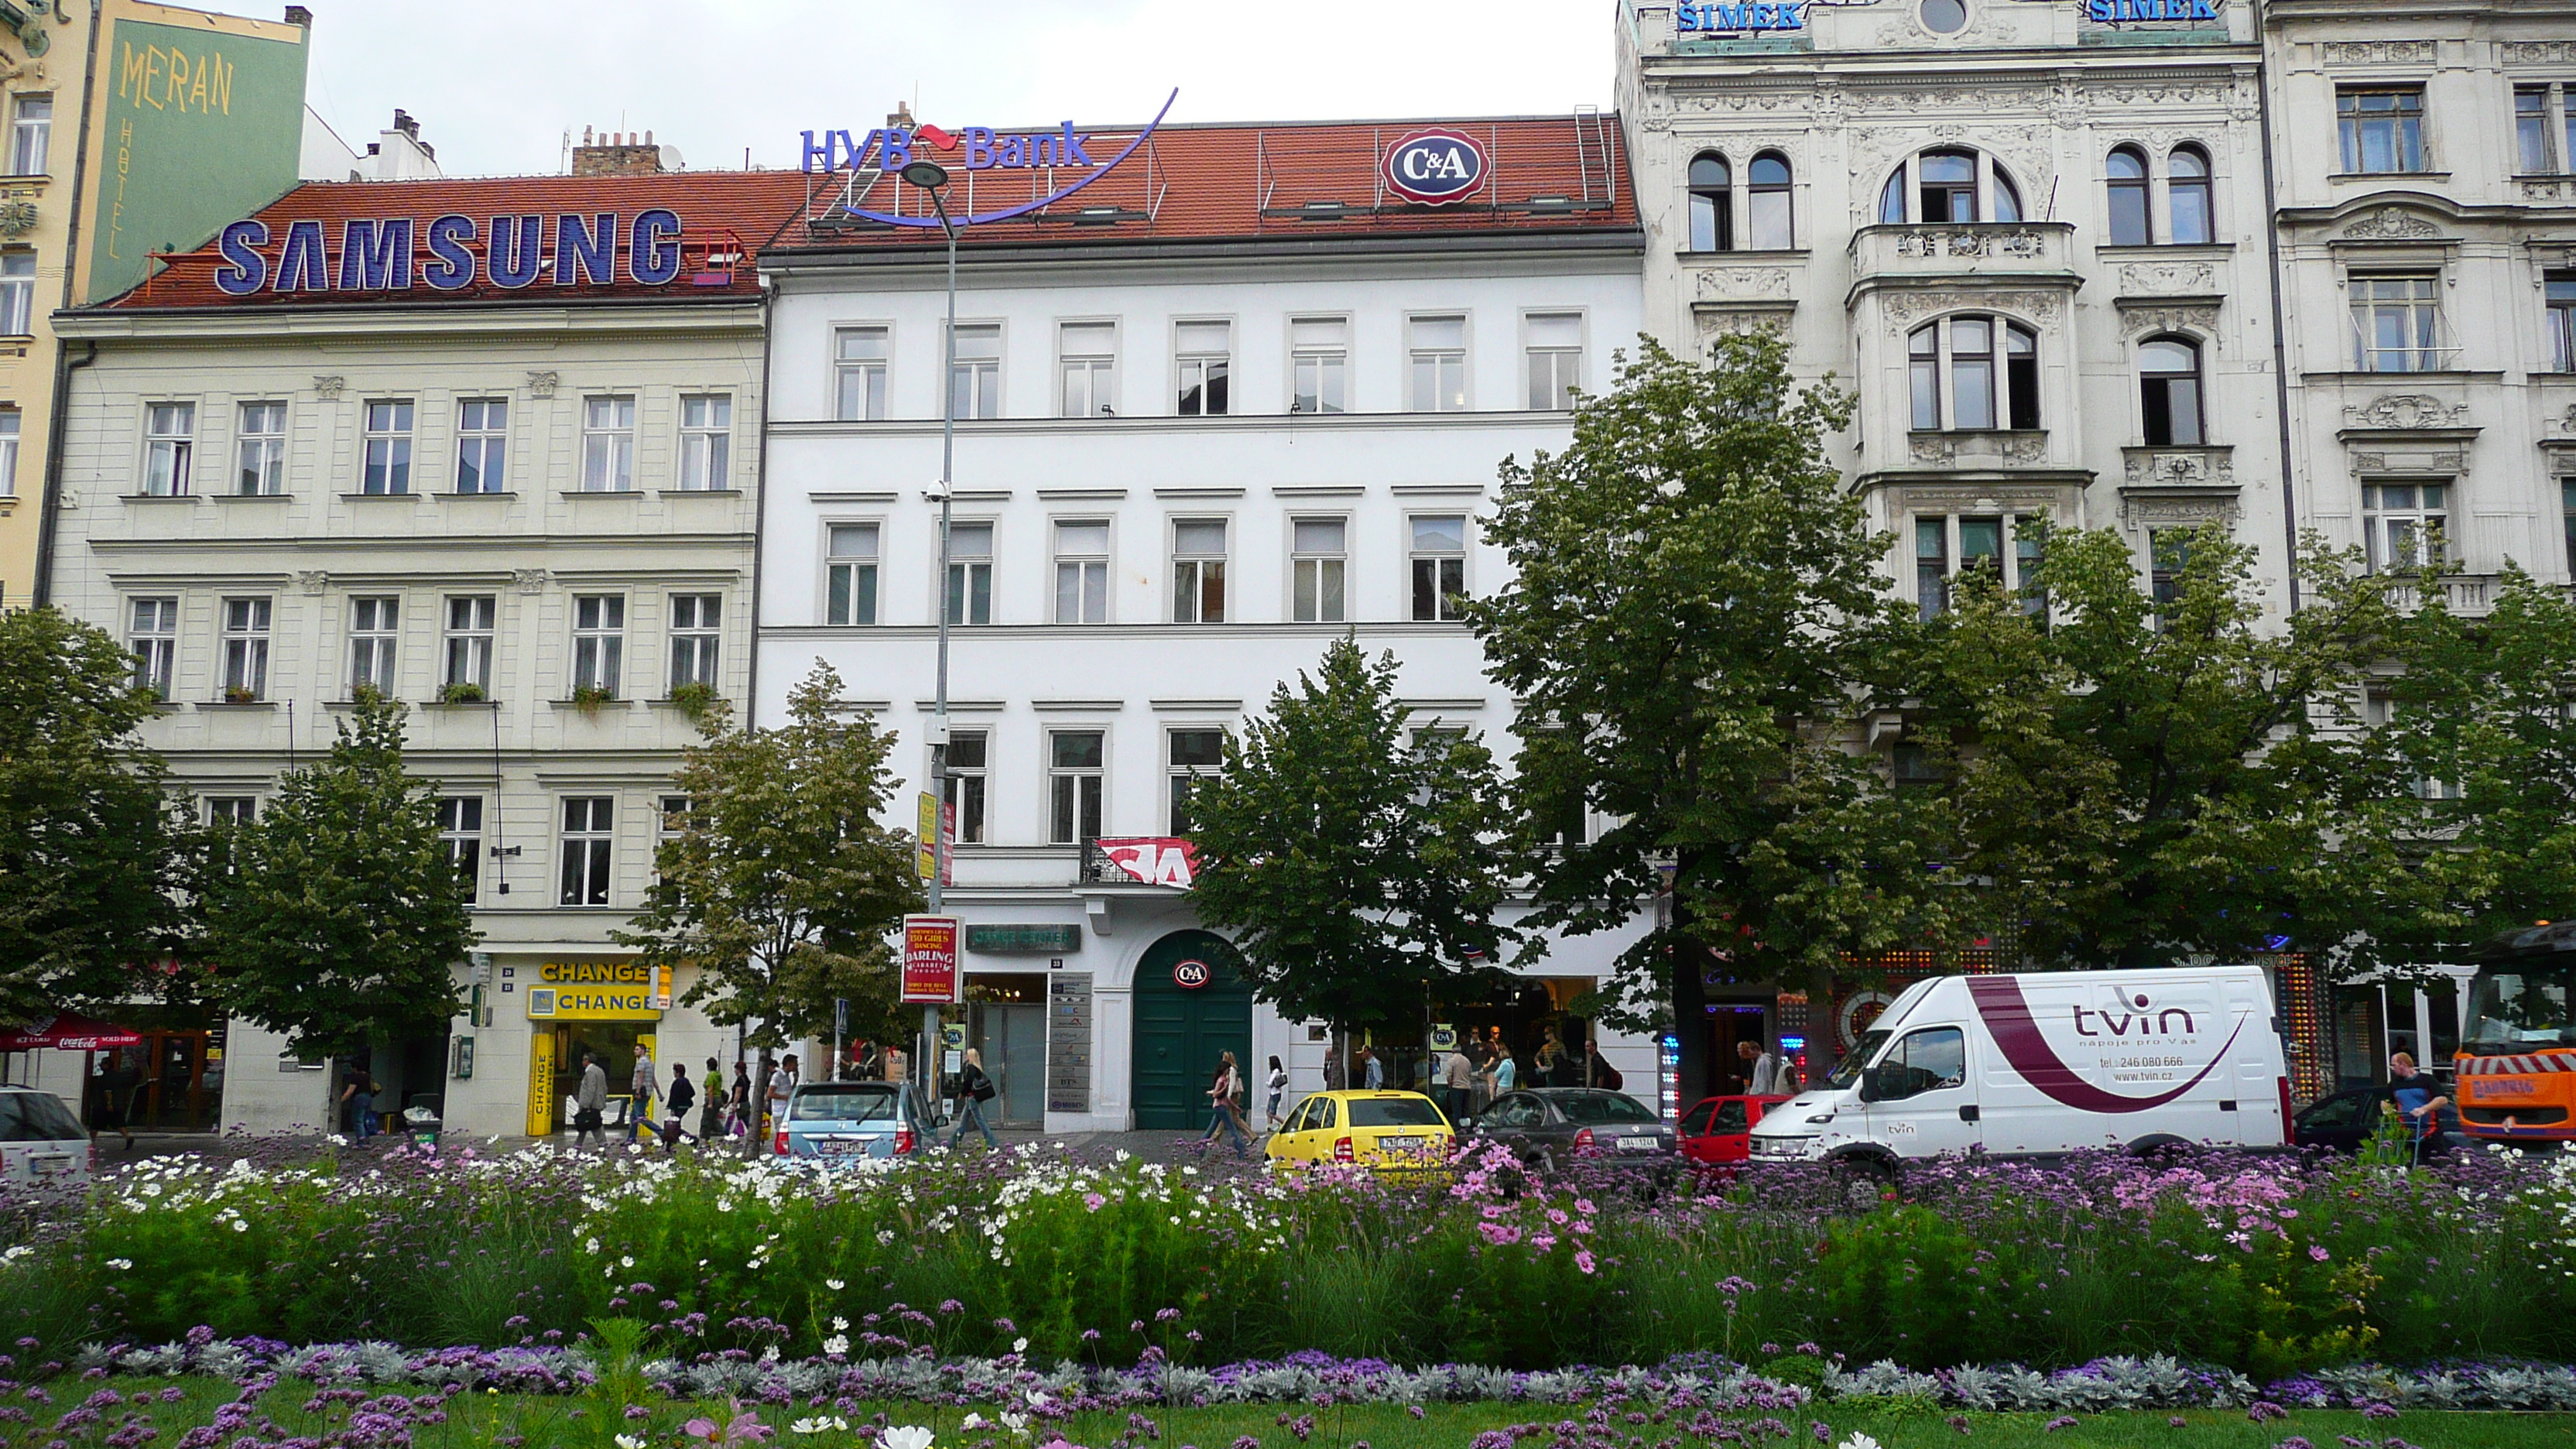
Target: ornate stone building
{"points": [[2033, 244]]}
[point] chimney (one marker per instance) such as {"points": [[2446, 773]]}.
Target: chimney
{"points": [[902, 116], [617, 153], [298, 15]]}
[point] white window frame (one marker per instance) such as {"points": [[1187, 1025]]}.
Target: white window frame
{"points": [[246, 624], [17, 293], [12, 426], [384, 469], [962, 570], [259, 449], [229, 809], [1206, 367], [608, 443], [1067, 781], [1328, 360], [31, 135], [375, 642], [2001, 330], [169, 447], [1179, 780], [697, 639], [1416, 354], [1090, 570], [463, 839], [2435, 355], [470, 644], [1193, 567], [874, 375], [2417, 521], [488, 441], [869, 566], [1442, 610], [1990, 187], [982, 375], [970, 785], [1098, 385], [2018, 563], [1310, 570], [706, 442], [595, 840], [152, 633], [1564, 364], [599, 643]]}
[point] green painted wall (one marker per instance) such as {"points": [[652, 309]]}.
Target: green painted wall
{"points": [[198, 128]]}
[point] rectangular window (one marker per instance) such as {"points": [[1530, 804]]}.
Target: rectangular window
{"points": [[2168, 554], [2403, 523], [153, 634], [598, 641], [695, 620], [1082, 571], [670, 822], [1204, 359], [388, 442], [374, 627], [260, 450], [860, 358], [1947, 548], [1438, 346], [2531, 131], [10, 421], [483, 445], [1931, 566], [224, 810], [2561, 293], [2028, 553], [1087, 356], [969, 756], [17, 293], [1317, 563], [245, 642], [706, 443], [607, 444], [169, 446], [970, 573], [1972, 372], [975, 378], [1198, 571], [2382, 129], [31, 135], [460, 830], [1439, 558], [2396, 324], [1555, 359], [1073, 786], [850, 575], [1195, 755], [1319, 354], [589, 840], [470, 621], [2566, 505]]}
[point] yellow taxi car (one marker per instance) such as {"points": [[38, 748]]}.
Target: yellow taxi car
{"points": [[1386, 1132]]}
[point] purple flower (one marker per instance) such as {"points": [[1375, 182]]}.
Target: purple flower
{"points": [[2379, 1411], [2264, 1410], [2062, 1421]]}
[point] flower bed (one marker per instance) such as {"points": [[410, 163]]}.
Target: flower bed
{"points": [[2261, 1267]]}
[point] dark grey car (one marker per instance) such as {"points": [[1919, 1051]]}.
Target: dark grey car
{"points": [[1555, 1126]]}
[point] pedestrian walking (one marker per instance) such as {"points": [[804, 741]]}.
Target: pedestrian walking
{"points": [[1506, 1073], [1220, 1094], [974, 1089], [113, 1109], [683, 1097], [590, 1102], [358, 1102], [1278, 1087], [1458, 1085], [782, 1085], [1375, 1073], [1762, 1077], [711, 1117], [738, 1101], [643, 1089], [1484, 1065]]}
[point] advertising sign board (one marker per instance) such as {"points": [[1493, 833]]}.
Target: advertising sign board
{"points": [[929, 959]]}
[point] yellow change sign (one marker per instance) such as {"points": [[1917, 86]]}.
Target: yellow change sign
{"points": [[599, 991]]}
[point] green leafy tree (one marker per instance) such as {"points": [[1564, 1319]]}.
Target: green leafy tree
{"points": [[337, 915], [780, 888], [90, 841], [2138, 779], [1696, 609], [1357, 871]]}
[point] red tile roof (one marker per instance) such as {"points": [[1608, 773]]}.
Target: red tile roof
{"points": [[727, 217], [1245, 182]]}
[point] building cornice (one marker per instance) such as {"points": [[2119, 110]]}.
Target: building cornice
{"points": [[926, 262], [300, 324], [1551, 422]]}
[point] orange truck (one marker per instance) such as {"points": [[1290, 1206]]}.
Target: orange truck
{"points": [[2517, 1062]]}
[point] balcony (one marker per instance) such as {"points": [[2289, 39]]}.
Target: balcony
{"points": [[2468, 595], [2016, 252], [2178, 467]]}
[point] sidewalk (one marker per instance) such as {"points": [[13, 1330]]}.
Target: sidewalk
{"points": [[1164, 1147]]}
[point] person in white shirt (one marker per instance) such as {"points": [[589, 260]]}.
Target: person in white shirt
{"points": [[1765, 1074]]}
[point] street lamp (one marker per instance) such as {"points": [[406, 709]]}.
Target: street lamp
{"points": [[932, 177]]}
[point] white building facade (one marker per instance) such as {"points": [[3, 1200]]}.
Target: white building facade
{"points": [[1205, 429], [525, 511]]}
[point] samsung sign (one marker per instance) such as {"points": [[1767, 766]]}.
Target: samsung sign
{"points": [[1713, 17], [375, 254]]}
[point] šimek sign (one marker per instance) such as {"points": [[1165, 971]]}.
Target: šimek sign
{"points": [[1435, 167], [2117, 12], [1719, 16], [977, 148], [375, 253]]}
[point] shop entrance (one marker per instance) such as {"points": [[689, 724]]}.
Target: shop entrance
{"points": [[613, 1043], [1180, 1029], [1731, 1023], [1006, 1023], [1527, 1019]]}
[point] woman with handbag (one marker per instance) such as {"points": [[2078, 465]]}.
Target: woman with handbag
{"points": [[974, 1089], [1222, 1092]]}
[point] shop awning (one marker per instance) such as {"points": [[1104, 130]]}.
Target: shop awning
{"points": [[68, 1033]]}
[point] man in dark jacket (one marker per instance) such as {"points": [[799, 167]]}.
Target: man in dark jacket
{"points": [[675, 1105]]}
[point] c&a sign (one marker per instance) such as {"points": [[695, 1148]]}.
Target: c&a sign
{"points": [[376, 254]]}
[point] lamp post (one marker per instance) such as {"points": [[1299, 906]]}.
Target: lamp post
{"points": [[932, 177]]}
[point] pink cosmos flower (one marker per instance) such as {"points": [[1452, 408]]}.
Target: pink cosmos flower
{"points": [[1583, 1259]]}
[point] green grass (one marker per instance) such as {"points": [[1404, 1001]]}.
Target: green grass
{"points": [[483, 1419]]}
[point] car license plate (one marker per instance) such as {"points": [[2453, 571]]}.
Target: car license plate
{"points": [[50, 1164], [1640, 1144], [840, 1146], [1400, 1144]]}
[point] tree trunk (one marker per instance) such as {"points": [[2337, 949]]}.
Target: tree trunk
{"points": [[1824, 1034], [1690, 1017]]}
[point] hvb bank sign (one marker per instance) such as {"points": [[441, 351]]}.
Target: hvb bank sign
{"points": [[1715, 17], [375, 253], [888, 149]]}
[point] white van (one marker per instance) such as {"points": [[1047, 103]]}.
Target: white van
{"points": [[2023, 1066]]}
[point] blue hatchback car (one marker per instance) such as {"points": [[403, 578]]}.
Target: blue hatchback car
{"points": [[831, 1120]]}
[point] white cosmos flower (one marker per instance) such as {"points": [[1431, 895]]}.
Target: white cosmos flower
{"points": [[630, 1441], [905, 1436], [1858, 1441], [819, 1426], [835, 1284], [1016, 1423], [1019, 1345], [971, 1421], [120, 1264], [837, 1344]]}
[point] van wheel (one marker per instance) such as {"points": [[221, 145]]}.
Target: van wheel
{"points": [[1862, 1183], [2159, 1148]]}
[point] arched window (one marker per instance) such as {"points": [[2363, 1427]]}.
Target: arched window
{"points": [[2195, 213], [2128, 171], [2169, 392], [1767, 203], [1712, 204], [1973, 374], [1952, 184]]}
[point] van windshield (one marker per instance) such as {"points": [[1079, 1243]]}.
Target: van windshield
{"points": [[2513, 1011], [1846, 1073]]}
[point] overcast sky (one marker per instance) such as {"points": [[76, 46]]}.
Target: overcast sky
{"points": [[496, 87]]}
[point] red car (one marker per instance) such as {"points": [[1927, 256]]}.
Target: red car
{"points": [[1718, 1131]]}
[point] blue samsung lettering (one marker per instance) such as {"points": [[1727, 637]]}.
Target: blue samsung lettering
{"points": [[244, 270], [451, 265], [652, 253], [590, 251], [375, 255], [514, 253], [304, 266]]}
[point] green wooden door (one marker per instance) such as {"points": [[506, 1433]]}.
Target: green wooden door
{"points": [[1180, 1031]]}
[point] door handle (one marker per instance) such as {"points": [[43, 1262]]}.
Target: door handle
{"points": [[1968, 1113]]}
